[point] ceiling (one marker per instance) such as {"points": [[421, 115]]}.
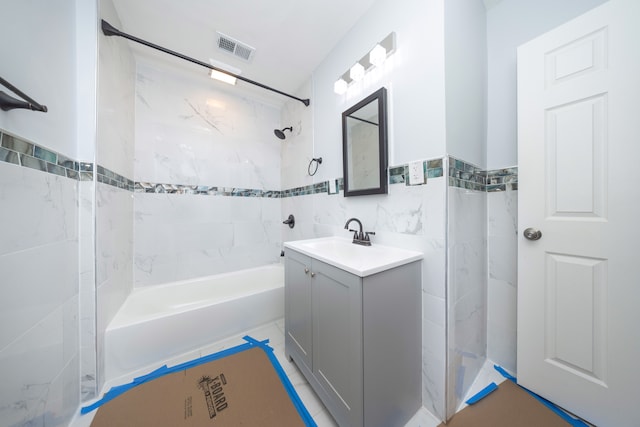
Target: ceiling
{"points": [[290, 37]]}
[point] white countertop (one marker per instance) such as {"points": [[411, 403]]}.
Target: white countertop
{"points": [[356, 259]]}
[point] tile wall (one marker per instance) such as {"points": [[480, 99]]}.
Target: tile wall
{"points": [[207, 167], [502, 286], [39, 357], [115, 137], [466, 282], [482, 273]]}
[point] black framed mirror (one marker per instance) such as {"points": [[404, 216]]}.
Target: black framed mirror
{"points": [[364, 146]]}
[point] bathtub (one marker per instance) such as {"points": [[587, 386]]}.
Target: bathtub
{"points": [[159, 322]]}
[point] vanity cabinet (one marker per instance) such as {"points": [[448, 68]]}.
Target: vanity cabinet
{"points": [[356, 339]]}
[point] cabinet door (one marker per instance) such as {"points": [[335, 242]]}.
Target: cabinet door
{"points": [[337, 340], [298, 307]]}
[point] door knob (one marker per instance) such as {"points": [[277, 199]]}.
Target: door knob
{"points": [[532, 234]]}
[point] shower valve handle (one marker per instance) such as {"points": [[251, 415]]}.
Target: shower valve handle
{"points": [[290, 221]]}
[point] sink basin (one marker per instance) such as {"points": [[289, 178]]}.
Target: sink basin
{"points": [[359, 260]]}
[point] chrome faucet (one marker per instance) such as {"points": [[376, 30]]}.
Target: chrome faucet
{"points": [[359, 238]]}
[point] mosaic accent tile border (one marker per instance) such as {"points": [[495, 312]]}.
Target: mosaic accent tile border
{"points": [[148, 187], [432, 169], [468, 176], [23, 153], [321, 187], [108, 177], [461, 174], [502, 179]]}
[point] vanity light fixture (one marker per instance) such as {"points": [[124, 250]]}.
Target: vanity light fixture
{"points": [[378, 55], [374, 58], [357, 72], [340, 86]]}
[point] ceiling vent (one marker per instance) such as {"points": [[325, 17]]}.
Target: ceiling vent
{"points": [[234, 47]]}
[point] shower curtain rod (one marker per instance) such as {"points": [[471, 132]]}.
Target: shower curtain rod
{"points": [[110, 30]]}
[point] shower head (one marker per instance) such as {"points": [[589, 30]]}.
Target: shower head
{"points": [[280, 133]]}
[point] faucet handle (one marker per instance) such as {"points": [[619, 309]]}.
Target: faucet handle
{"points": [[367, 234], [355, 234]]}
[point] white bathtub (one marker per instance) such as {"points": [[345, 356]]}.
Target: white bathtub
{"points": [[159, 322]]}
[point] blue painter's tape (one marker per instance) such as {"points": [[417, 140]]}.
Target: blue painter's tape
{"points": [[552, 406], [482, 393], [164, 370], [504, 373]]}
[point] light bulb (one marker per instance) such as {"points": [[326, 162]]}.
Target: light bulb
{"points": [[357, 72], [378, 55], [340, 86], [215, 74]]}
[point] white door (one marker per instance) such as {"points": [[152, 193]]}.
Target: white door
{"points": [[579, 185]]}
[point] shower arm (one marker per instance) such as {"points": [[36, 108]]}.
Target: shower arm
{"points": [[110, 30]]}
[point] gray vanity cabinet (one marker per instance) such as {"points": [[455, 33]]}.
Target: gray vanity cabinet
{"points": [[298, 306], [356, 339]]}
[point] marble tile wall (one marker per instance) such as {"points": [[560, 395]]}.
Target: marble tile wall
{"points": [[39, 303], [87, 290], [207, 167], [467, 308], [114, 151], [181, 236], [482, 272], [502, 286], [297, 148]]}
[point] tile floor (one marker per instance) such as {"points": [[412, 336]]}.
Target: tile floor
{"points": [[275, 333]]}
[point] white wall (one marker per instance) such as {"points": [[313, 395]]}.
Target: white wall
{"points": [[509, 24], [39, 299], [39, 58], [413, 76], [466, 76]]}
